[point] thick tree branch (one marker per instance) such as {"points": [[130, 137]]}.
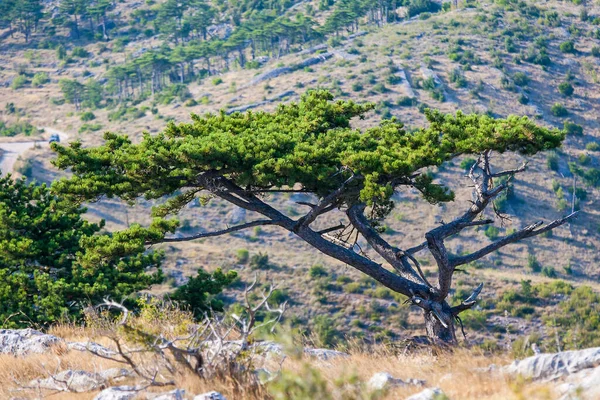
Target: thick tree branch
{"points": [[391, 254], [524, 233], [220, 232], [328, 203]]}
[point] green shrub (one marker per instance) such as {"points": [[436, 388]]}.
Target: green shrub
{"points": [[572, 129], [552, 161], [317, 271], [593, 146], [550, 272], [596, 51], [18, 128], [243, 256], [80, 52], [467, 163], [18, 82], [492, 232], [567, 47], [533, 264], [217, 81], [566, 89], [40, 79], [558, 110], [406, 101], [357, 86], [199, 294], [520, 79], [87, 116], [259, 261], [324, 328]]}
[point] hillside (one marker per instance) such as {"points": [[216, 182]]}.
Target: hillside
{"points": [[497, 58]]}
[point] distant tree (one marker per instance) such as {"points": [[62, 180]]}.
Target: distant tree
{"points": [[53, 263], [309, 147], [27, 14], [72, 91], [77, 10]]}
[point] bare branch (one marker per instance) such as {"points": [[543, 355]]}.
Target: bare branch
{"points": [[468, 302], [236, 228], [524, 233]]}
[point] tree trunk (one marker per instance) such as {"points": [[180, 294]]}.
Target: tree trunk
{"points": [[436, 330]]}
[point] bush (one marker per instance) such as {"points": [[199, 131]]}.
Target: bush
{"points": [[324, 328], [199, 295], [533, 264], [567, 47], [40, 79], [566, 89], [80, 52], [550, 272], [572, 129], [217, 81], [596, 51], [593, 146], [317, 271], [558, 110], [19, 82], [243, 256], [458, 78], [87, 116], [520, 79], [259, 261], [492, 232], [467, 163], [357, 86]]}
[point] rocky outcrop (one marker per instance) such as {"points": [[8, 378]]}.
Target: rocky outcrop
{"points": [[555, 365], [79, 381], [428, 394], [384, 381], [210, 396], [118, 393], [274, 73], [325, 354], [177, 394], [20, 342]]}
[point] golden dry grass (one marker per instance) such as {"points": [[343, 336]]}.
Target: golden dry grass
{"points": [[459, 373]]}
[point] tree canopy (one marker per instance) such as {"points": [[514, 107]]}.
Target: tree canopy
{"points": [[54, 263], [311, 147]]}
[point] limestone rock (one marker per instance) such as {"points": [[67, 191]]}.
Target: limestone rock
{"points": [[583, 384], [20, 342], [177, 394], [383, 380], [92, 347], [555, 365], [79, 381], [428, 394], [210, 396], [117, 393], [325, 354]]}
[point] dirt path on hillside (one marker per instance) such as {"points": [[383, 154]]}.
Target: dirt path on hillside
{"points": [[10, 151]]}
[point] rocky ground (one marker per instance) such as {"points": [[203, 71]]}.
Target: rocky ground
{"points": [[564, 375]]}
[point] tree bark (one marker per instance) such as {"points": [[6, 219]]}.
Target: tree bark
{"points": [[440, 332]]}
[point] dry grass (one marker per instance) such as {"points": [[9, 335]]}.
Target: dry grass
{"points": [[456, 372]]}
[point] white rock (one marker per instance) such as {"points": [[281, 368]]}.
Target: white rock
{"points": [[428, 394], [583, 384], [92, 347], [555, 365], [79, 381], [325, 354], [117, 393], [210, 396], [19, 342], [177, 394], [383, 380], [70, 381]]}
